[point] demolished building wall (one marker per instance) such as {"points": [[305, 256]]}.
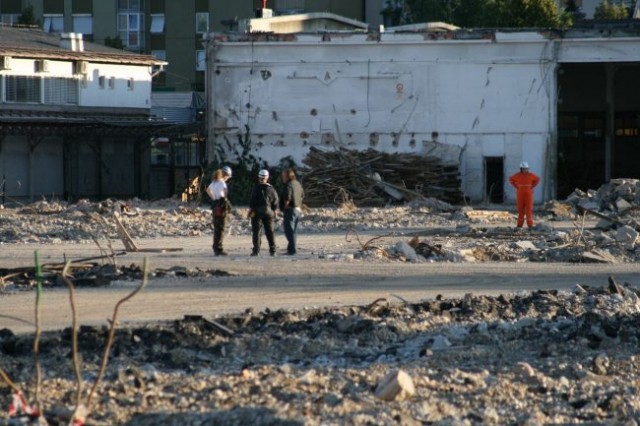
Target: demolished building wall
{"points": [[488, 98], [493, 94]]}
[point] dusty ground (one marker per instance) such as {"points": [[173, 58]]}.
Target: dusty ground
{"points": [[493, 327]]}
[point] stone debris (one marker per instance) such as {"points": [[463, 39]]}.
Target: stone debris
{"points": [[423, 230], [542, 357], [90, 274], [57, 221], [616, 202], [397, 385]]}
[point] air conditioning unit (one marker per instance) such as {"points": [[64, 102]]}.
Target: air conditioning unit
{"points": [[42, 65], [5, 62], [80, 67]]}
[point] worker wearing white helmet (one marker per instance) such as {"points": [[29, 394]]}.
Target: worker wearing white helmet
{"points": [[219, 194], [263, 205], [524, 182]]}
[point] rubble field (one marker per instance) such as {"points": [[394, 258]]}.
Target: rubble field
{"points": [[529, 358], [421, 230], [543, 357]]}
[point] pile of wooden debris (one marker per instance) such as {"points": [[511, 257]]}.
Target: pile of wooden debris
{"points": [[373, 178]]}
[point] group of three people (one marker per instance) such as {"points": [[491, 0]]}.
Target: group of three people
{"points": [[265, 202], [263, 205]]}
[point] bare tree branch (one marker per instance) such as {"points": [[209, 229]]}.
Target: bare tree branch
{"points": [[112, 330], [74, 335]]}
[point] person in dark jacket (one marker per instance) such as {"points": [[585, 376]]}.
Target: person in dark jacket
{"points": [[262, 211], [291, 207]]}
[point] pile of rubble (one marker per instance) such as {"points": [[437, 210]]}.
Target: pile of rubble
{"points": [[82, 273], [544, 357], [86, 222], [424, 229]]}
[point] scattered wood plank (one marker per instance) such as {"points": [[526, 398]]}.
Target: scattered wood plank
{"points": [[130, 245]]}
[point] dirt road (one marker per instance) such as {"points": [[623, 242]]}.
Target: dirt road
{"points": [[314, 278]]}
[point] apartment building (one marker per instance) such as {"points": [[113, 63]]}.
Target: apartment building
{"points": [[171, 30]]}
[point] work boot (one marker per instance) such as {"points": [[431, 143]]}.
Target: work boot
{"points": [[254, 253], [221, 253]]}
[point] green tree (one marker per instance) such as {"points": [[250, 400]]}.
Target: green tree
{"points": [[393, 13], [488, 13], [572, 13], [115, 42], [28, 18], [529, 13], [606, 10]]}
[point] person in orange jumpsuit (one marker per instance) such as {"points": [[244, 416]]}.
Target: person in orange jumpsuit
{"points": [[524, 182]]}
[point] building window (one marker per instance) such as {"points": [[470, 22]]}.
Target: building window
{"points": [[202, 22], [130, 83], [186, 153], [131, 23], [83, 24], [159, 54], [130, 5], [160, 151], [101, 81], [10, 18], [112, 83], [53, 23], [201, 60], [23, 89], [130, 27], [60, 91], [157, 24]]}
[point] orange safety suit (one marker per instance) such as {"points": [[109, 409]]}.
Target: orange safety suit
{"points": [[524, 182]]}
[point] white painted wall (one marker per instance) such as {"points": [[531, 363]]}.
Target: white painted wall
{"points": [[90, 92], [494, 97], [120, 95], [400, 91]]}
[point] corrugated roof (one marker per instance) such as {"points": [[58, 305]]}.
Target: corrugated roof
{"points": [[35, 43], [68, 117], [172, 99]]}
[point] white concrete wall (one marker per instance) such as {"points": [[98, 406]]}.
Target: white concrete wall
{"points": [[90, 92], [492, 98], [480, 95]]}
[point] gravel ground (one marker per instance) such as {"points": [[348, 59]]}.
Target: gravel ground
{"points": [[542, 357], [529, 358]]}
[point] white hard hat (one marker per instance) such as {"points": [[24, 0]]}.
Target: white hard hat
{"points": [[263, 173], [524, 165], [227, 171]]}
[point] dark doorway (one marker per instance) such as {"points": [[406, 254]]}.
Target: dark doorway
{"points": [[494, 179], [581, 152], [598, 125]]}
